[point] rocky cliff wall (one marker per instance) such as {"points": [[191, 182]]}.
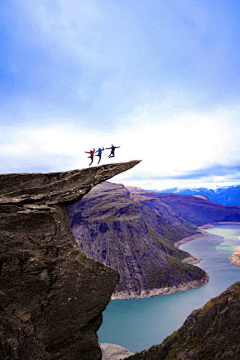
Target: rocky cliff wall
{"points": [[212, 332], [52, 293]]}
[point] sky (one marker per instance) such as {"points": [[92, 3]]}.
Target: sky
{"points": [[159, 78]]}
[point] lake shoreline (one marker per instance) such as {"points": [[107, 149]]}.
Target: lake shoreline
{"points": [[190, 259], [124, 326], [201, 233], [162, 291]]}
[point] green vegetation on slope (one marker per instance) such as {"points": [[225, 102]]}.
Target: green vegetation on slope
{"points": [[212, 332], [174, 274]]}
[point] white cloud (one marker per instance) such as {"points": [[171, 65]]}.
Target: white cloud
{"points": [[142, 75], [170, 148]]}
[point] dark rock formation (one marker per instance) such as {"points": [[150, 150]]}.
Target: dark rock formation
{"points": [[53, 294], [135, 238], [18, 339], [212, 332]]}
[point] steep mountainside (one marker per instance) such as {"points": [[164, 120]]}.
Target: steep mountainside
{"points": [[228, 195], [136, 239], [212, 332], [134, 231], [52, 293]]}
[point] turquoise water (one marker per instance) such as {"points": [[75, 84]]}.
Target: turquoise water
{"points": [[138, 324]]}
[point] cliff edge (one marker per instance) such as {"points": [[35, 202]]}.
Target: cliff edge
{"points": [[52, 293]]}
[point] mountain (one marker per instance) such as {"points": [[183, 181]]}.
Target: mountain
{"points": [[212, 332], [114, 229], [134, 231], [228, 195], [196, 210], [52, 293]]}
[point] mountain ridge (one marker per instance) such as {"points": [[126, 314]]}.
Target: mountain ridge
{"points": [[226, 195]]}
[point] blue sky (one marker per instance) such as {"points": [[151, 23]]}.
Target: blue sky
{"points": [[160, 78]]}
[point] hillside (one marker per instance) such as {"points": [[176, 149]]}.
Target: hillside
{"points": [[212, 332], [195, 210], [134, 231]]}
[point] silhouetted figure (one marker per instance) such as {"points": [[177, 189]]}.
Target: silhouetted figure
{"points": [[112, 153], [91, 152], [99, 153]]}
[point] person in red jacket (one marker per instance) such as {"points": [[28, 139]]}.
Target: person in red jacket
{"points": [[91, 152]]}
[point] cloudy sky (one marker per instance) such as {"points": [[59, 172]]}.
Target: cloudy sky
{"points": [[160, 78]]}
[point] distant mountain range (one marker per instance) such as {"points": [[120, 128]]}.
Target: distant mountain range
{"points": [[134, 231], [228, 195]]}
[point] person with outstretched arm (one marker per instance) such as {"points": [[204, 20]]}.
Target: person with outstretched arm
{"points": [[99, 153], [112, 153], [91, 152]]}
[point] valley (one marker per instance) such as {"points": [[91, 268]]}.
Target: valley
{"points": [[136, 231]]}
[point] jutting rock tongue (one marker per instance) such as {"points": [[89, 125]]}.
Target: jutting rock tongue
{"points": [[48, 285]]}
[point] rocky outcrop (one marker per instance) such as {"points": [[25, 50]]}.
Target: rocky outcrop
{"points": [[235, 257], [53, 294], [136, 240], [212, 332], [114, 352]]}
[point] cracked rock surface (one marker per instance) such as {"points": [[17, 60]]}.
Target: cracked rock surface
{"points": [[52, 293]]}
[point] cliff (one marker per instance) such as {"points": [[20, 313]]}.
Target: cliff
{"points": [[212, 332], [52, 293], [136, 240]]}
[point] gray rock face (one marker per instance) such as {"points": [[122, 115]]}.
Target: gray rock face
{"points": [[48, 284], [18, 340]]}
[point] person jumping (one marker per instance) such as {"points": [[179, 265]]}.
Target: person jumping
{"points": [[91, 152], [99, 153], [112, 153]]}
